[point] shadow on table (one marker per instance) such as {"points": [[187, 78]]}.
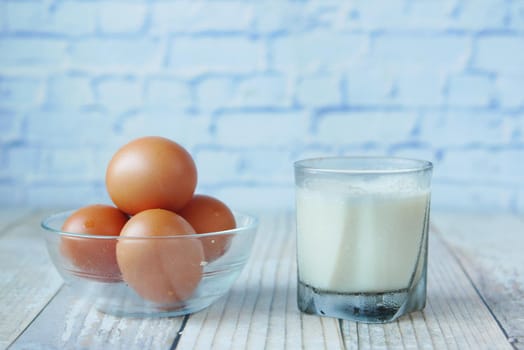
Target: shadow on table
{"points": [[254, 299]]}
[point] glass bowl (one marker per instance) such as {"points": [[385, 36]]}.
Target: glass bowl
{"points": [[112, 295]]}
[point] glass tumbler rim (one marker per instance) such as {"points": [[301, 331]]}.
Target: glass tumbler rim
{"points": [[397, 165]]}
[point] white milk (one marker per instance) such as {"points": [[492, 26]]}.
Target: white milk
{"points": [[352, 241]]}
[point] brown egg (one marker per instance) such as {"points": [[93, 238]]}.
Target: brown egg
{"points": [[207, 214], [95, 258], [163, 270], [151, 172]]}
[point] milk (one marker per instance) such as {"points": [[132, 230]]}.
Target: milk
{"points": [[351, 240]]}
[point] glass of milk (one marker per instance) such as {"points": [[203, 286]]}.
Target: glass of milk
{"points": [[362, 236]]}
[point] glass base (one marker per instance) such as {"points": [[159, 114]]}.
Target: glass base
{"points": [[362, 307]]}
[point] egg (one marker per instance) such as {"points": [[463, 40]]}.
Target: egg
{"points": [[159, 269], [151, 172], [93, 257], [208, 214]]}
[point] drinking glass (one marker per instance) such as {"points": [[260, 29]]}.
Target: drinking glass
{"points": [[362, 236]]}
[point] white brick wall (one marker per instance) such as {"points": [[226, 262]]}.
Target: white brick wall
{"points": [[250, 87], [191, 55]]}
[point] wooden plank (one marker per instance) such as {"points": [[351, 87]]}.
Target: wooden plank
{"points": [[455, 316], [489, 248], [10, 217], [27, 279], [260, 311], [69, 322]]}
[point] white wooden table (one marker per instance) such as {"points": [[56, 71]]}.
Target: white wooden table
{"points": [[475, 297]]}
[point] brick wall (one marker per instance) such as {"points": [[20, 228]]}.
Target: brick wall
{"points": [[249, 87]]}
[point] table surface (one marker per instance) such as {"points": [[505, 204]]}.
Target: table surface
{"points": [[475, 297]]}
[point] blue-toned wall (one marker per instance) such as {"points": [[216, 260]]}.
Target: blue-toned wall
{"points": [[249, 87]]}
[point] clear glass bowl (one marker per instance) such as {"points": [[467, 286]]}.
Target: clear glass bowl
{"points": [[114, 296]]}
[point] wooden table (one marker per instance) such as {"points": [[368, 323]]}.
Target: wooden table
{"points": [[475, 297]]}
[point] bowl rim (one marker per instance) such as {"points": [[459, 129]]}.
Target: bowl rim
{"points": [[45, 224]]}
